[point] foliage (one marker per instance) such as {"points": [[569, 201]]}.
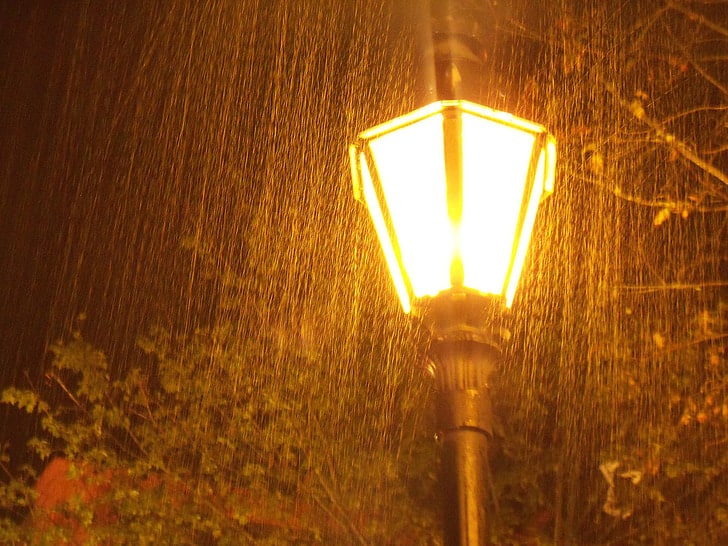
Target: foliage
{"points": [[628, 380], [202, 444], [613, 431], [675, 453]]}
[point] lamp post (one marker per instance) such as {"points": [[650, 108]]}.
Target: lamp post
{"points": [[452, 189]]}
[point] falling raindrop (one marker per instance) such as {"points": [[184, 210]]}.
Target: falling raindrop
{"points": [[175, 177]]}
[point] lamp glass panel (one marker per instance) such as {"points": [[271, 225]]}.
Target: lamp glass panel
{"points": [[380, 226], [411, 168], [496, 160], [539, 185]]}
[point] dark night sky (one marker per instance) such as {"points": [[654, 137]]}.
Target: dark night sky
{"points": [[84, 218], [39, 194], [55, 219], [114, 145], [32, 213], [74, 232], [126, 126]]}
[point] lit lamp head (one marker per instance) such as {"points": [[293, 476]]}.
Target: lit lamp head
{"points": [[453, 189]]}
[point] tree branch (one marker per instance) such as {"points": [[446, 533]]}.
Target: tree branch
{"points": [[675, 207], [695, 110], [60, 383], [723, 89], [672, 286], [666, 137], [348, 524], [698, 17]]}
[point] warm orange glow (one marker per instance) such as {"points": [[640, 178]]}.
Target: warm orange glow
{"points": [[380, 226], [417, 203], [543, 187], [399, 170], [496, 160]]}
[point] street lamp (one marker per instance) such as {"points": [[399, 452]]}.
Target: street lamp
{"points": [[452, 189]]}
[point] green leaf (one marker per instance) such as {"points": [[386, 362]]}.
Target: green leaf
{"points": [[23, 399]]}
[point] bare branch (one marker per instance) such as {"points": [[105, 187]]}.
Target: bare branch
{"points": [[692, 59], [347, 524], [60, 383], [666, 137], [696, 110], [685, 344], [700, 70], [674, 206], [644, 289], [722, 88], [699, 18], [718, 150], [712, 58]]}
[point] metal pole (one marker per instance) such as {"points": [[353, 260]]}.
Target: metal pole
{"points": [[464, 460], [464, 328], [456, 42]]}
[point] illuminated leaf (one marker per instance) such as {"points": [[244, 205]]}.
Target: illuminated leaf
{"points": [[661, 217]]}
